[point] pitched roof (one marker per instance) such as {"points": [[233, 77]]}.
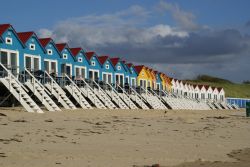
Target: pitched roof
{"points": [[114, 60], [90, 55], [25, 36], [75, 51], [219, 88], [61, 46], [3, 28], [44, 41], [138, 68], [200, 86], [206, 87], [129, 65], [102, 59]]}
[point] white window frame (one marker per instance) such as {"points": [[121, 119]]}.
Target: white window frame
{"points": [[81, 67], [92, 63], [32, 60], [107, 66], [49, 51], [55, 61], [119, 74], [93, 70], [119, 67], [70, 68], [32, 45], [132, 81], [79, 59], [108, 73], [9, 58], [65, 56], [127, 77], [10, 39]]}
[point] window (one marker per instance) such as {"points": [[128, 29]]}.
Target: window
{"points": [[32, 47], [49, 51], [93, 63], [107, 66], [118, 67], [8, 41], [65, 56], [79, 59]]}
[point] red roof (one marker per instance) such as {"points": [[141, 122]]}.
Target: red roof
{"points": [[219, 88], [129, 65], [3, 28], [138, 68], [44, 41], [61, 46], [200, 86], [115, 61], [75, 51], [25, 36], [206, 87], [102, 59], [90, 55]]}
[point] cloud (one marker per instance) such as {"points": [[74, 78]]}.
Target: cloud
{"points": [[182, 51], [248, 24], [183, 18]]}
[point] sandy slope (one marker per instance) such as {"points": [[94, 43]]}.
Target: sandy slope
{"points": [[120, 137]]}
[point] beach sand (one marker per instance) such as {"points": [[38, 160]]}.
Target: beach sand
{"points": [[123, 138]]}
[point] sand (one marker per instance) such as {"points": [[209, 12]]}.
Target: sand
{"points": [[124, 138]]}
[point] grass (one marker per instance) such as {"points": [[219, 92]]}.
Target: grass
{"points": [[231, 89]]}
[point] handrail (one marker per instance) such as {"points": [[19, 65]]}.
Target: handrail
{"points": [[12, 76], [124, 92], [34, 78], [74, 84], [142, 99], [53, 81], [100, 88]]}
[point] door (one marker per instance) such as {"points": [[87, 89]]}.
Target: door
{"points": [[53, 67], [4, 58], [46, 66], [96, 76], [68, 70], [32, 63], [28, 63]]}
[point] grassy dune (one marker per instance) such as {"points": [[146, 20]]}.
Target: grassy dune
{"points": [[231, 89]]}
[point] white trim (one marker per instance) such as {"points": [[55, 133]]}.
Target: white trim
{"points": [[8, 53], [65, 56], [32, 60], [107, 66], [81, 67], [49, 51], [108, 73], [52, 60], [70, 68], [131, 79], [6, 41], [119, 67], [93, 70], [32, 45], [93, 63], [79, 59]]}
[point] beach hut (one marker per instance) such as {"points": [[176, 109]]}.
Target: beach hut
{"points": [[143, 78], [120, 70], [203, 92], [52, 56], [158, 80], [67, 61], [11, 48], [81, 63], [215, 93], [107, 70], [133, 75], [221, 94], [209, 92], [95, 67], [33, 54]]}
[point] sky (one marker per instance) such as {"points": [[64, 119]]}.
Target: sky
{"points": [[178, 37]]}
